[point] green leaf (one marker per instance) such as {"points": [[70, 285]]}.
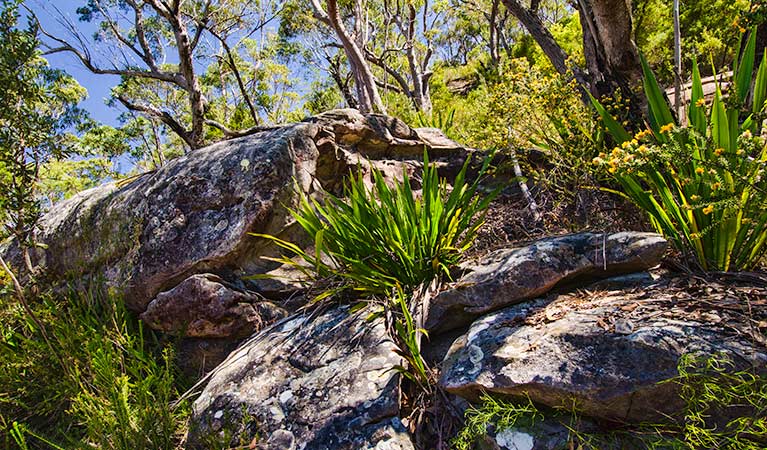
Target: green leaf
{"points": [[660, 114], [746, 67]]}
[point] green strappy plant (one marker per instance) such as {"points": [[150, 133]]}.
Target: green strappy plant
{"points": [[703, 183]]}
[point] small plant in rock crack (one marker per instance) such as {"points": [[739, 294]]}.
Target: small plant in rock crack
{"points": [[388, 246], [377, 238]]}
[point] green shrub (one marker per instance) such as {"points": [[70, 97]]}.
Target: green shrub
{"points": [[702, 184], [388, 244], [374, 240], [107, 383]]}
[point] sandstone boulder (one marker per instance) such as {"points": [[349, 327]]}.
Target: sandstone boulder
{"points": [[205, 306], [607, 351], [309, 382], [509, 276], [146, 235]]}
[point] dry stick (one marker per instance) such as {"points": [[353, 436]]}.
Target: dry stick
{"points": [[22, 299], [522, 185]]}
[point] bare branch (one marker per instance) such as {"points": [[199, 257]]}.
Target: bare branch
{"points": [[163, 116]]}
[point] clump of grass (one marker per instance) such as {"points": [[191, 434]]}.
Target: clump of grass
{"points": [[105, 382], [376, 239], [387, 245]]}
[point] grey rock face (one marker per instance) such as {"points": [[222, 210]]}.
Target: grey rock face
{"points": [[307, 383], [606, 354], [509, 276], [146, 235], [205, 306]]}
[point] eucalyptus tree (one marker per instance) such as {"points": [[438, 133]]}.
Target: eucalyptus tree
{"points": [[173, 44], [402, 46], [354, 39]]}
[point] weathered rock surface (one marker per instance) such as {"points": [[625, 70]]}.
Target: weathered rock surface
{"points": [[205, 306], [509, 276], [606, 351], [144, 236], [321, 382]]}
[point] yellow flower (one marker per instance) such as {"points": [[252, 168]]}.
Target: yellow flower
{"points": [[628, 158], [740, 152], [700, 103], [719, 151], [708, 209], [716, 186], [625, 144], [666, 128], [694, 197], [694, 236], [699, 170], [642, 149], [612, 169]]}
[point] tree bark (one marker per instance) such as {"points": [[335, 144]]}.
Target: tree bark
{"points": [[368, 98], [611, 55]]}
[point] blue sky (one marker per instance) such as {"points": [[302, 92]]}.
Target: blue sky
{"points": [[98, 86]]}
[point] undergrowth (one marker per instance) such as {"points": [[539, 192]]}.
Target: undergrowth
{"points": [[103, 382], [708, 385]]}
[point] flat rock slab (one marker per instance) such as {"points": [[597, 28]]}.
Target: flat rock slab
{"points": [[205, 306], [307, 383], [509, 276], [606, 352]]}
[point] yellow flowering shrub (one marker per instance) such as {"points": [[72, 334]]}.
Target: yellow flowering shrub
{"points": [[703, 184]]}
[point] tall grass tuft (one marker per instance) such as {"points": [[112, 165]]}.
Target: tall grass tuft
{"points": [[703, 184], [110, 386], [389, 245], [377, 239]]}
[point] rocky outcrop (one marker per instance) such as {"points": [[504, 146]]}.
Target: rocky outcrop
{"points": [[606, 352], [310, 382], [146, 235], [509, 276]]}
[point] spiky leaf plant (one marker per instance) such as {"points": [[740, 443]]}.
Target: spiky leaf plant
{"points": [[702, 184]]}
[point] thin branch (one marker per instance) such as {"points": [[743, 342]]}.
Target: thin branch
{"points": [[163, 116]]}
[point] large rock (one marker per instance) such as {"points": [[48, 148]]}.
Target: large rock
{"points": [[146, 235], [607, 350], [509, 276], [323, 382]]}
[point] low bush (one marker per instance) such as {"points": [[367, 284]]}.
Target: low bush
{"points": [[387, 244], [702, 184], [376, 239]]}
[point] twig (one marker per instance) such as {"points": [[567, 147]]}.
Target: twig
{"points": [[522, 185]]}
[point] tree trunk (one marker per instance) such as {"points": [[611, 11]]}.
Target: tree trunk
{"points": [[556, 55], [367, 91], [611, 55]]}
